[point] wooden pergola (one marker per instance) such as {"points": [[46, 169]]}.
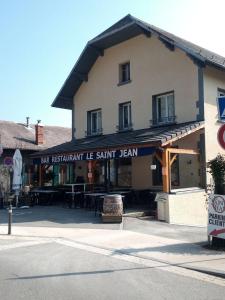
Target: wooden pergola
{"points": [[166, 162]]}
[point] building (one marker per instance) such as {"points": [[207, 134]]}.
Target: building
{"points": [[29, 138], [144, 115]]}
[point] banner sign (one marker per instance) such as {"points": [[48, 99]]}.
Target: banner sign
{"points": [[216, 216], [95, 155]]}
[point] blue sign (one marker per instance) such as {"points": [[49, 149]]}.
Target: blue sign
{"points": [[221, 108], [94, 155]]}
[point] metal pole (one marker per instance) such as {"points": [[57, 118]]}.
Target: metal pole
{"points": [[10, 219]]}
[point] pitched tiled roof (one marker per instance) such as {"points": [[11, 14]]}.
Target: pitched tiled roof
{"points": [[157, 136], [127, 28], [17, 135]]}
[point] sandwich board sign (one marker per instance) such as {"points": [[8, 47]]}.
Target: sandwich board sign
{"points": [[221, 108], [216, 216]]}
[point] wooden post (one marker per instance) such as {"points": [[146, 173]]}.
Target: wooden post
{"points": [[165, 171]]}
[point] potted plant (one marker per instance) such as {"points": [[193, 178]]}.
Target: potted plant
{"points": [[217, 170]]}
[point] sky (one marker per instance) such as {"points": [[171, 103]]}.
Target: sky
{"points": [[40, 41]]}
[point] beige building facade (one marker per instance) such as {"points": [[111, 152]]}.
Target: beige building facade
{"points": [[144, 115]]}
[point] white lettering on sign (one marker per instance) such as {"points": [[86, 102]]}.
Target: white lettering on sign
{"points": [[45, 160], [90, 156], [109, 154], [125, 153], [106, 154]]}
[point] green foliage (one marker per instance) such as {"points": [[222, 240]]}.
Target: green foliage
{"points": [[217, 169]]}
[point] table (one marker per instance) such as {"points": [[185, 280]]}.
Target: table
{"points": [[78, 184], [38, 192], [95, 197], [73, 197]]}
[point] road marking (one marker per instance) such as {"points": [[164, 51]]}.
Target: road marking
{"points": [[151, 263], [24, 244], [118, 254]]}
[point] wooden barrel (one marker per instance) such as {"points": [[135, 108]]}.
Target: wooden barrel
{"points": [[113, 205]]}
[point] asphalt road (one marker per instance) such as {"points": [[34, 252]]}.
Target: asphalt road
{"points": [[38, 268]]}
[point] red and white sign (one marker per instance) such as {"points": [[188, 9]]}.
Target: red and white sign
{"points": [[216, 216], [221, 136]]}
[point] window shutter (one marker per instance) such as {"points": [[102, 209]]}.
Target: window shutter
{"points": [[154, 111], [88, 122], [130, 119], [120, 116], [170, 100], [99, 120]]}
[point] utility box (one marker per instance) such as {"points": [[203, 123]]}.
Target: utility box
{"points": [[162, 206]]}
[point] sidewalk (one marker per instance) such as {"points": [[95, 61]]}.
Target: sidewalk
{"points": [[160, 249]]}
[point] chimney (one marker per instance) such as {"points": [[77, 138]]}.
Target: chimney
{"points": [[28, 122], [39, 133]]}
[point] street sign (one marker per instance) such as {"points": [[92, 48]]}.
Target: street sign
{"points": [[216, 216], [221, 108], [221, 136], [8, 161]]}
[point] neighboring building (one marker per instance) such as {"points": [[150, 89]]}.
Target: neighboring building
{"points": [[144, 114], [28, 139]]}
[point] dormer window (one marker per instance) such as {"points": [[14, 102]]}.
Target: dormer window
{"points": [[124, 73], [94, 122]]}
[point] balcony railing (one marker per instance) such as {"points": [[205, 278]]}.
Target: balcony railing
{"points": [[88, 133], [163, 121], [121, 127]]}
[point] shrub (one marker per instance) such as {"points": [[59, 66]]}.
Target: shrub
{"points": [[217, 170]]}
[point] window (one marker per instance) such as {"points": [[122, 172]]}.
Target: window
{"points": [[124, 73], [125, 116], [163, 109], [94, 122]]}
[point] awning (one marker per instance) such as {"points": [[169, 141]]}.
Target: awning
{"points": [[118, 145]]}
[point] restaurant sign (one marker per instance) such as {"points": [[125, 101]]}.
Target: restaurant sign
{"points": [[216, 216], [94, 155]]}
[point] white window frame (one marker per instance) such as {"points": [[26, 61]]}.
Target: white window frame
{"points": [[164, 96], [98, 114], [128, 105], [125, 108]]}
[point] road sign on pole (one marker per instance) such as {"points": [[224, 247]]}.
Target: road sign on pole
{"points": [[221, 136], [221, 108]]}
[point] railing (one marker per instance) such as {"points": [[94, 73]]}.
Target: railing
{"points": [[163, 120], [121, 127], [88, 133]]}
